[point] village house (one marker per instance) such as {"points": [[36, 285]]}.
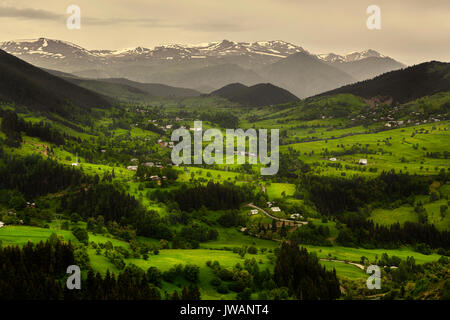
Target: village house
{"points": [[275, 209], [2, 224], [363, 162], [132, 168], [254, 211]]}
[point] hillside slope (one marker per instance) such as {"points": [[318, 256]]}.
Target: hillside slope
{"points": [[403, 85], [262, 94], [22, 83]]}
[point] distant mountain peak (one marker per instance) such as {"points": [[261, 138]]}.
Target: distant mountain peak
{"points": [[350, 57]]}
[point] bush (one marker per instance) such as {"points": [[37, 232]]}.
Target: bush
{"points": [[216, 282], [252, 250], [81, 234], [223, 289]]}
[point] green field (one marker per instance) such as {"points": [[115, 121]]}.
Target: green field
{"points": [[345, 270], [275, 190], [167, 258], [355, 254], [20, 235]]}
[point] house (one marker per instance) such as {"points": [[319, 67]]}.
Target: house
{"points": [[132, 168], [363, 162], [269, 204], [333, 159], [1, 224], [275, 209], [296, 216], [149, 164], [254, 211]]}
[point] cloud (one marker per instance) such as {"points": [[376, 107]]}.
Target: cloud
{"points": [[38, 14], [28, 13]]}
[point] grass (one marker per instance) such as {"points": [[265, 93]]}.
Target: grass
{"points": [[355, 254], [406, 213], [20, 235], [345, 270], [100, 263], [275, 190], [229, 237], [393, 150], [168, 258]]}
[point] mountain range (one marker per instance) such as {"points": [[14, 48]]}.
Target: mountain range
{"points": [[209, 66]]}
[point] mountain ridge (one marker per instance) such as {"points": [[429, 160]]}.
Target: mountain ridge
{"points": [[208, 66], [402, 85]]}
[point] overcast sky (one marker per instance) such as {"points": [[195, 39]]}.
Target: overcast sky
{"points": [[412, 31]]}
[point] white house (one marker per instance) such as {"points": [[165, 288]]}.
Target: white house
{"points": [[333, 159], [132, 168], [75, 164], [363, 162], [1, 224], [296, 216], [254, 211], [275, 209]]}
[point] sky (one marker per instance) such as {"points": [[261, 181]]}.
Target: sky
{"points": [[412, 31]]}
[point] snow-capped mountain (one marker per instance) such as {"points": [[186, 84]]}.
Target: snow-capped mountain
{"points": [[205, 66], [58, 49], [350, 57]]}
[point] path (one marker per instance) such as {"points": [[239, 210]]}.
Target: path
{"points": [[360, 266]]}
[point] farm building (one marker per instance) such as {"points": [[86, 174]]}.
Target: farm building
{"points": [[333, 159], [296, 216], [132, 168], [1, 224], [254, 211], [275, 209], [363, 162]]}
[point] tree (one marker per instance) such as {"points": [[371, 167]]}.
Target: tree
{"points": [[81, 234], [302, 274], [443, 210]]}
